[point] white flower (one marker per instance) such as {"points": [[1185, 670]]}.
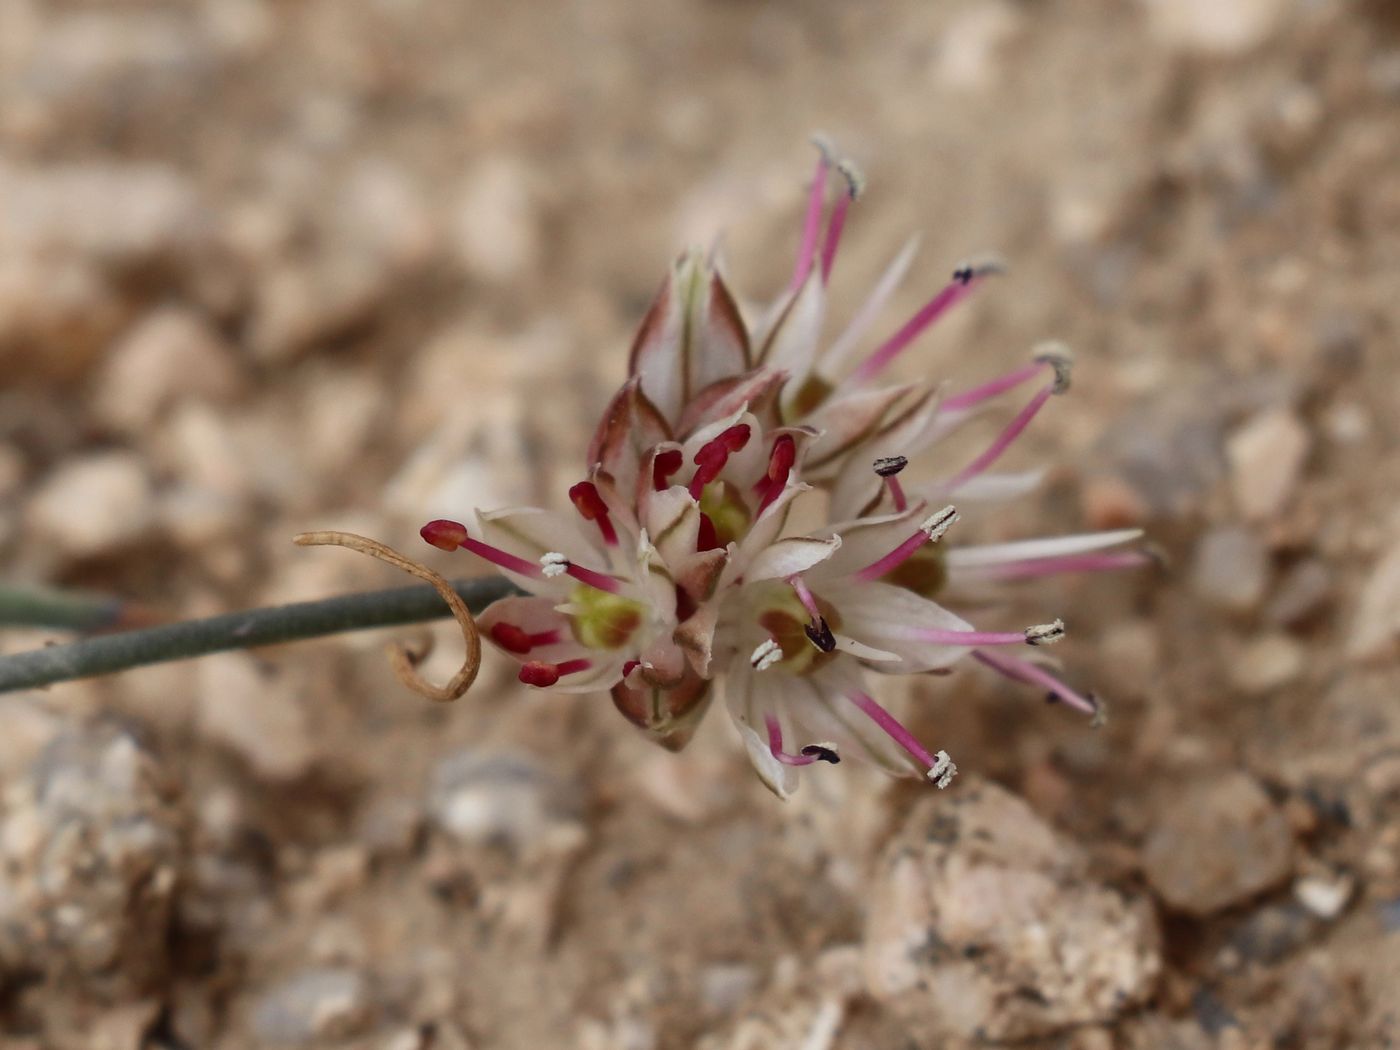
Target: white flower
{"points": [[678, 569]]}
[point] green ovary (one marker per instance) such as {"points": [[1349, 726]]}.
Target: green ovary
{"points": [[784, 619], [603, 620], [726, 510]]}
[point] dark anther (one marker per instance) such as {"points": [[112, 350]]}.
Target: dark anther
{"points": [[889, 466], [964, 274], [821, 636], [821, 754]]}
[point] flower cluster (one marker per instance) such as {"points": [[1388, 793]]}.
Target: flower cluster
{"points": [[676, 570]]}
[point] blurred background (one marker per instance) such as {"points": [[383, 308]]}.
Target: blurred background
{"points": [[271, 265]]}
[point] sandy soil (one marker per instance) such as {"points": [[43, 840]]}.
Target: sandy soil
{"points": [[270, 266]]}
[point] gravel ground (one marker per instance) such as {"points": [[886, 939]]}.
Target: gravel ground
{"points": [[272, 265]]}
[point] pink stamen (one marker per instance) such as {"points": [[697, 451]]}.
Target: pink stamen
{"points": [[715, 453], [901, 503], [601, 581], [892, 728], [444, 534], [664, 465], [964, 280], [833, 234], [1000, 385], [515, 639], [707, 539], [931, 529], [811, 223], [543, 675], [775, 745], [1002, 442], [804, 595], [1034, 567], [1028, 673], [971, 638], [629, 666], [590, 505], [450, 535]]}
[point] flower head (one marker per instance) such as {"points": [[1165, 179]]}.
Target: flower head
{"points": [[677, 571]]}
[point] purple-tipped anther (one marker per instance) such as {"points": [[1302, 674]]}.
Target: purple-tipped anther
{"points": [[939, 768], [965, 279], [888, 468], [1029, 674], [809, 754]]}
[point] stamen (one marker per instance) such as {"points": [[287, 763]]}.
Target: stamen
{"points": [[555, 564], [809, 754], [931, 530], [820, 635], [855, 185], [812, 221], [715, 453], [450, 535], [629, 666], [1029, 674], [943, 770], [664, 465], [515, 639], [888, 468], [804, 595], [1029, 568], [590, 504], [897, 732], [707, 538], [780, 463], [993, 388], [766, 655], [965, 278], [1003, 440], [444, 534], [970, 638], [543, 675], [1045, 633], [1059, 357]]}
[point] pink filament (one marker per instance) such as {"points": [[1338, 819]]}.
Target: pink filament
{"points": [[507, 561], [775, 745], [901, 504], [992, 388], [515, 639], [892, 728], [599, 580], [804, 595], [952, 294], [936, 637], [1029, 568], [1002, 442], [894, 558], [833, 234], [1027, 672], [811, 224]]}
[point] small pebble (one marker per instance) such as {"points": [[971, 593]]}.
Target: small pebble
{"points": [[1266, 456], [1230, 569]]}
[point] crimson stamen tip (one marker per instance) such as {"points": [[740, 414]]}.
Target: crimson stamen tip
{"points": [[444, 534]]}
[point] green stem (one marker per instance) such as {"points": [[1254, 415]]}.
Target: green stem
{"points": [[241, 630], [64, 610]]}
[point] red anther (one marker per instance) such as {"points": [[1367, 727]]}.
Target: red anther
{"points": [[590, 504], [781, 459], [511, 638], [586, 499], [708, 538], [629, 667], [685, 604], [664, 465], [443, 534], [539, 674]]}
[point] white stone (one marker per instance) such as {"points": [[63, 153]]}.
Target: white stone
{"points": [[93, 505], [1214, 26], [1266, 456], [495, 226], [1376, 624]]}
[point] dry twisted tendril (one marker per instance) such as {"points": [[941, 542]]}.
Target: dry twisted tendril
{"points": [[404, 660]]}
